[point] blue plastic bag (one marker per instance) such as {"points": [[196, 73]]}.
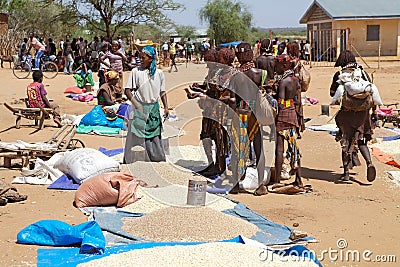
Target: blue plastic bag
{"points": [[58, 233], [96, 117]]}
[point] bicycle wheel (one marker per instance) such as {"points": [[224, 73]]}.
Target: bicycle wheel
{"points": [[21, 71], [49, 69]]}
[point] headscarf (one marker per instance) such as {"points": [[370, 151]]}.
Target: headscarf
{"points": [[111, 75], [151, 52]]}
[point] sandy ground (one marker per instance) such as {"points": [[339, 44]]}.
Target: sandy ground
{"points": [[365, 215]]}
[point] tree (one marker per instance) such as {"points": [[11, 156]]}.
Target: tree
{"points": [[186, 31], [40, 17], [228, 20], [114, 14]]}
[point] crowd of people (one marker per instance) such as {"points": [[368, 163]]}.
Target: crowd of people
{"points": [[276, 72], [271, 67]]}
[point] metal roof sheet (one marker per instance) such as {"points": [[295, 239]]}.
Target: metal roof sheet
{"points": [[356, 9]]}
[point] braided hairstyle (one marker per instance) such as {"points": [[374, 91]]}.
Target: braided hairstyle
{"points": [[266, 46], [345, 58], [293, 49], [226, 56], [244, 53], [211, 55]]}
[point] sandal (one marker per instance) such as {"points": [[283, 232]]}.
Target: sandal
{"points": [[261, 190], [371, 172]]}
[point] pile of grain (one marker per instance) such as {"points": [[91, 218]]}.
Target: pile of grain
{"points": [[158, 198], [210, 254], [145, 204], [161, 173], [188, 224], [175, 174]]}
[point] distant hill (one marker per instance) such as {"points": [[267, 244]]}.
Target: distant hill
{"points": [[284, 30]]}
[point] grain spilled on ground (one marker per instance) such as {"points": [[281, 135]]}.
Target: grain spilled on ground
{"points": [[176, 224], [210, 254]]}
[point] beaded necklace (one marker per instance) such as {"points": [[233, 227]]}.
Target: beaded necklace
{"points": [[246, 66]]}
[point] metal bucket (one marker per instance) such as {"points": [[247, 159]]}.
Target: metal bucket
{"points": [[197, 193], [325, 110]]}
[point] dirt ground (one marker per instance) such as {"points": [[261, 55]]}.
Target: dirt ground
{"points": [[366, 215]]}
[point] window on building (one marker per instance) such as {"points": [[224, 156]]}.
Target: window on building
{"points": [[373, 32]]}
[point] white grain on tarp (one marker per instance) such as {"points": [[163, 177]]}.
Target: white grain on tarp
{"points": [[149, 203], [177, 224], [175, 175], [145, 204], [205, 255]]}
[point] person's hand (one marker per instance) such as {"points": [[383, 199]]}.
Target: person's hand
{"points": [[166, 113]]}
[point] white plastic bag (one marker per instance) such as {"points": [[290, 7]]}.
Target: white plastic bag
{"points": [[250, 181]]}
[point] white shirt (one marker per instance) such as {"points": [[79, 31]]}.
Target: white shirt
{"points": [[146, 89], [307, 49]]}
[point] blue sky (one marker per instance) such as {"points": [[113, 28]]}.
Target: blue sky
{"points": [[266, 13]]}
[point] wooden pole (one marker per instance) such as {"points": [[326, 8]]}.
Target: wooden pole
{"points": [[379, 53]]}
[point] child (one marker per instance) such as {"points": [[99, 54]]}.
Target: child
{"points": [[103, 65], [83, 77], [37, 96]]}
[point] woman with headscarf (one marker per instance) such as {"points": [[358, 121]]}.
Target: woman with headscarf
{"points": [[117, 58], [106, 94], [144, 88], [354, 126]]}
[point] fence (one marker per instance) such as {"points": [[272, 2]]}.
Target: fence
{"points": [[326, 45]]}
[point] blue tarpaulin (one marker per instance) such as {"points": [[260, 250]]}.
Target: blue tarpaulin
{"points": [[231, 44], [64, 183], [66, 257], [58, 233]]}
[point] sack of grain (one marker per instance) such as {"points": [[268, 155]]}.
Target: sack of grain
{"points": [[108, 189], [84, 163]]}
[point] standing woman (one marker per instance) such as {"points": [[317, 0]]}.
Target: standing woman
{"points": [[354, 126], [117, 58], [172, 55], [144, 87]]}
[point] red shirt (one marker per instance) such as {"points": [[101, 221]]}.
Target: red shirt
{"points": [[34, 92]]}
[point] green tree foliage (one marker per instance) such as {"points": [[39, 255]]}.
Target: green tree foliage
{"points": [[114, 14], [41, 17], [228, 20], [186, 31]]}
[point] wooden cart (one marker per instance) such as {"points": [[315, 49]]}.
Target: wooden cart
{"points": [[61, 141], [36, 114]]}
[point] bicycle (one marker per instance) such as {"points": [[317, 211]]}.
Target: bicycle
{"points": [[22, 69]]}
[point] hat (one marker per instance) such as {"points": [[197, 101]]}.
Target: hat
{"points": [[111, 75]]}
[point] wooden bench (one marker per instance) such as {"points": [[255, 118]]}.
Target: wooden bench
{"points": [[37, 114]]}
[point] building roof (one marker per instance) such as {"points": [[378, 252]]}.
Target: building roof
{"points": [[355, 9]]}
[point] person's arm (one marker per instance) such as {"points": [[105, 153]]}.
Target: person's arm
{"points": [[77, 69], [163, 95], [107, 98], [43, 93], [102, 58], [119, 53], [128, 92], [334, 84], [164, 100]]}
